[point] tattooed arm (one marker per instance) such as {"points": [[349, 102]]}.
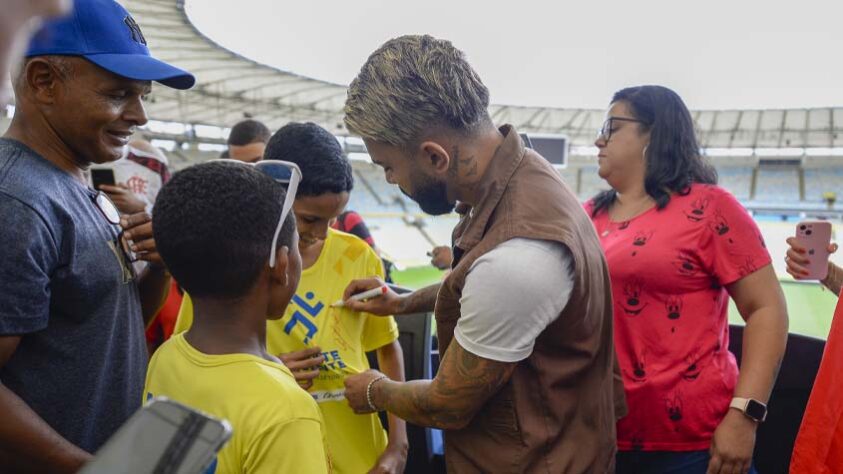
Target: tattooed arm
{"points": [[463, 384], [389, 304]]}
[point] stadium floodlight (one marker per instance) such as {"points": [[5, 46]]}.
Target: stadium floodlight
{"points": [[792, 152], [728, 151], [211, 147], [168, 145], [584, 151], [211, 131], [170, 128], [818, 151], [360, 157]]}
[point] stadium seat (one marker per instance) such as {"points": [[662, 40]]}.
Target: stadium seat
{"points": [[415, 337], [775, 438]]}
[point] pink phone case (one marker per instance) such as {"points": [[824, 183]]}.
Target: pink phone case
{"points": [[815, 236]]}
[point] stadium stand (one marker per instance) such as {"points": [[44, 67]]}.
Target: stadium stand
{"points": [[401, 242], [819, 181], [738, 180], [778, 184]]}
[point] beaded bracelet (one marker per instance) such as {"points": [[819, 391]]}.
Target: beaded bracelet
{"points": [[369, 392]]}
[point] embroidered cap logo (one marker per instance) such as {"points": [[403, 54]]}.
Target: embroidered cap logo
{"points": [[137, 34]]}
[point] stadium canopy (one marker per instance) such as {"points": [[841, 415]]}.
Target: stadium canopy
{"points": [[231, 85]]}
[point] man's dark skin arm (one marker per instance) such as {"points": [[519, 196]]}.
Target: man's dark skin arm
{"points": [[154, 284], [419, 301], [27, 443], [462, 386]]}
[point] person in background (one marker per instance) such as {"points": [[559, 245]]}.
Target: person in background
{"points": [[217, 243], [819, 444], [441, 257], [678, 246], [352, 223], [139, 176], [247, 141], [72, 354], [20, 19], [323, 344]]}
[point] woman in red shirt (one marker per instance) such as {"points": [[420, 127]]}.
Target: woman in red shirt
{"points": [[678, 246]]}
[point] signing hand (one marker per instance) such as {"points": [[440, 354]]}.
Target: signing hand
{"points": [[304, 365], [385, 305], [732, 445], [355, 390]]}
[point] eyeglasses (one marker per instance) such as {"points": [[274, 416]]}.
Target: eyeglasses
{"points": [[112, 216], [283, 172], [605, 132]]}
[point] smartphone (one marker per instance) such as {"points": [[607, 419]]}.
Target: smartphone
{"points": [[100, 176], [815, 236], [163, 437]]}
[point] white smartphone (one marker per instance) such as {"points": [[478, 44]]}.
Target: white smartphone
{"points": [[815, 236], [163, 437]]}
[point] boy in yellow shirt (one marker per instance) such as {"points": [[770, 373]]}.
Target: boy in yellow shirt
{"points": [[217, 225], [322, 344]]}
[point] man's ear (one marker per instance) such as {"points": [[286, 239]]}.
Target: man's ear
{"points": [[278, 274], [436, 156], [43, 80]]}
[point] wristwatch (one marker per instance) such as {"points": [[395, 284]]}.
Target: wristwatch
{"points": [[752, 408]]}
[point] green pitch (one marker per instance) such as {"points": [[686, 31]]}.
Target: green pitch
{"points": [[810, 307]]}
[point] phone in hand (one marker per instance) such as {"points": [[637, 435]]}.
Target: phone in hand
{"points": [[100, 176], [815, 236], [162, 437]]}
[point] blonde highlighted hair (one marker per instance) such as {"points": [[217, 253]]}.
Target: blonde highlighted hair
{"points": [[413, 84]]}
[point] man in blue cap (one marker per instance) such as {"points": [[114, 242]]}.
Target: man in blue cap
{"points": [[72, 309]]}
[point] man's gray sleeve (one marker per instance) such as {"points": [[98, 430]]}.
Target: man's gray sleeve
{"points": [[27, 256], [511, 294]]}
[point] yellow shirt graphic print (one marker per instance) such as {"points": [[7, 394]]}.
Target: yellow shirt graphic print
{"points": [[354, 441]]}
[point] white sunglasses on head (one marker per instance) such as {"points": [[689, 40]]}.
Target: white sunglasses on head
{"points": [[283, 172]]}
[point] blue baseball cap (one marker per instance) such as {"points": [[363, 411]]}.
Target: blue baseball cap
{"points": [[103, 32]]}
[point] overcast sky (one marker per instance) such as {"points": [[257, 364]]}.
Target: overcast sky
{"points": [[716, 54]]}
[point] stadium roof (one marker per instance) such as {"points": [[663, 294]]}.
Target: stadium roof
{"points": [[230, 85]]}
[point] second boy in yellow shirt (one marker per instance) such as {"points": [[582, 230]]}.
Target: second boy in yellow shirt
{"points": [[323, 345]]}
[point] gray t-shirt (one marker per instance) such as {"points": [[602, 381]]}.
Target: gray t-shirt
{"points": [[66, 288]]}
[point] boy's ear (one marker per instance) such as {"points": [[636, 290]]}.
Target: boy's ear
{"points": [[279, 272]]}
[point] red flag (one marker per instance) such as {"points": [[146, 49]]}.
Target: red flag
{"points": [[819, 444]]}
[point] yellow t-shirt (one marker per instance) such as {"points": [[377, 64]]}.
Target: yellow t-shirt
{"points": [[354, 441], [276, 426]]}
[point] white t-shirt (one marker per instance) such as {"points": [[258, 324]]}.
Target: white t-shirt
{"points": [[511, 294]]}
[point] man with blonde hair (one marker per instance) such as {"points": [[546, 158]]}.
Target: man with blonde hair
{"points": [[524, 319]]}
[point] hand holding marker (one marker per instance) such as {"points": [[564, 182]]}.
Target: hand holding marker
{"points": [[374, 292]]}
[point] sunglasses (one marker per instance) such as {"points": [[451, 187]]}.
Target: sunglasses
{"points": [[605, 132], [283, 172]]}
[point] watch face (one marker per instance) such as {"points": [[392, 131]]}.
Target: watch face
{"points": [[756, 410]]}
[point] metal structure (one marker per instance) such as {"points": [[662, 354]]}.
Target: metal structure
{"points": [[230, 85]]}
